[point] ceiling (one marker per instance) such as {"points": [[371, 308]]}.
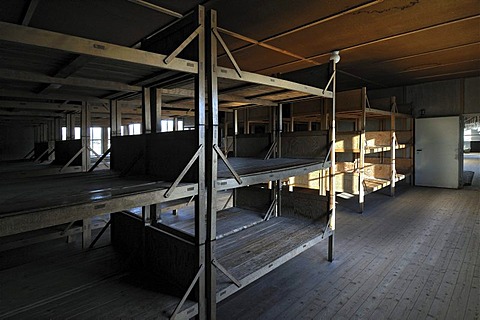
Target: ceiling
{"points": [[382, 44]]}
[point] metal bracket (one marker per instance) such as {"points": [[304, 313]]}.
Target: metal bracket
{"points": [[229, 166], [226, 273], [329, 81], [183, 45], [192, 284], [183, 173], [270, 211], [270, 151], [229, 54], [73, 158], [102, 157]]}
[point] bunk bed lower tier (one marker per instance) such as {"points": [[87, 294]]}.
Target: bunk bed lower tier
{"points": [[376, 175], [28, 168], [84, 285], [34, 203]]}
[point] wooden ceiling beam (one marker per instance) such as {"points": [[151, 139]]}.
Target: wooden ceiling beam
{"points": [[17, 75], [72, 44]]}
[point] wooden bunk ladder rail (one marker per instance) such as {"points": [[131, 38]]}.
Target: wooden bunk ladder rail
{"points": [[227, 163], [82, 149], [102, 157], [174, 185], [227, 51], [217, 265], [187, 293], [183, 45]]}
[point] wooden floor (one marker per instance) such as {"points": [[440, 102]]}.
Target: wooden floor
{"points": [[415, 256]]}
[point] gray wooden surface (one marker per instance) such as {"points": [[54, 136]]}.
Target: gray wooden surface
{"points": [[415, 256]]}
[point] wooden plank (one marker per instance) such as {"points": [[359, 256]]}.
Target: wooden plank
{"points": [[53, 40]]}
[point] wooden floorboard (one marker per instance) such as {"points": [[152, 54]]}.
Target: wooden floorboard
{"points": [[412, 256]]}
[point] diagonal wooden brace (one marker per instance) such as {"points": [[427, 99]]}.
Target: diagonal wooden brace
{"points": [[229, 166], [226, 273], [183, 45], [194, 281], [183, 173], [102, 157], [229, 54], [73, 158]]}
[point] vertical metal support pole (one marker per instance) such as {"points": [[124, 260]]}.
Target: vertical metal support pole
{"points": [[212, 87], [51, 137], [175, 124], [58, 129], [309, 126], [115, 119], [85, 134], [292, 120], [156, 110], [105, 139], [201, 198], [246, 124], [70, 124], [146, 111], [361, 160], [278, 133], [393, 141], [225, 133], [332, 197], [235, 133]]}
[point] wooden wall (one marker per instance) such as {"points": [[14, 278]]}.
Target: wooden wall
{"points": [[15, 141], [438, 98]]}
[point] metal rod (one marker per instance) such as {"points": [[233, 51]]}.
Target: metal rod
{"points": [[227, 163], [105, 227], [187, 293], [183, 45], [226, 273], [229, 54], [183, 173], [73, 158], [102, 157], [67, 228], [228, 200]]}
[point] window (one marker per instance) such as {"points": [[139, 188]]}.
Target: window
{"points": [[96, 141]]}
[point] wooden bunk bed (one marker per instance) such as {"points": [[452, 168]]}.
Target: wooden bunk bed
{"points": [[368, 150], [184, 259]]}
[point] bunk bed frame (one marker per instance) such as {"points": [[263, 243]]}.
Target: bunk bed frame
{"points": [[374, 144], [143, 176]]}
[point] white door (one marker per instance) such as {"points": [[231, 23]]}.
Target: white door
{"points": [[438, 158]]}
